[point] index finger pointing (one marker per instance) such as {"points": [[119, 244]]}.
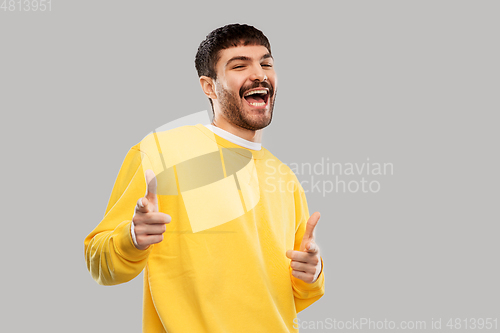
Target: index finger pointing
{"points": [[311, 225], [151, 184]]}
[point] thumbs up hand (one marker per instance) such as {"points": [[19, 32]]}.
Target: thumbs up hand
{"points": [[306, 263], [149, 224]]}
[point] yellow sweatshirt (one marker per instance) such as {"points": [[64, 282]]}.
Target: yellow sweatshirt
{"points": [[221, 266]]}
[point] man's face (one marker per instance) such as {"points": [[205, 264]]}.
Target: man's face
{"points": [[246, 86]]}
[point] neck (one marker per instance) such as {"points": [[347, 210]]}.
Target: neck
{"points": [[247, 134]]}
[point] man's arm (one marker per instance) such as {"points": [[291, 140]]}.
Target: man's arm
{"points": [[306, 266], [110, 253]]}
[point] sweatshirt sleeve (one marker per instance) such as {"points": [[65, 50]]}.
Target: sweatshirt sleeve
{"points": [[304, 293], [110, 253]]}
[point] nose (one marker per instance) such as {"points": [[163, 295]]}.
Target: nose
{"points": [[258, 74]]}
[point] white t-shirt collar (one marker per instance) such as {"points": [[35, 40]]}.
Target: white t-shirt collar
{"points": [[234, 138]]}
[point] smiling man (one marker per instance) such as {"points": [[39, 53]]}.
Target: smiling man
{"points": [[242, 89], [221, 248]]}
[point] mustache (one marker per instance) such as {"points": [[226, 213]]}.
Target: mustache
{"points": [[254, 85]]}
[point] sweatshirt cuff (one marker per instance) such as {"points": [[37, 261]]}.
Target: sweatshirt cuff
{"points": [[124, 244], [132, 233]]}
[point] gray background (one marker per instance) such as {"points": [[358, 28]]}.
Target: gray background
{"points": [[412, 83]]}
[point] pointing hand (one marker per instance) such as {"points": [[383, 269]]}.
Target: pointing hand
{"points": [[149, 224], [306, 263]]}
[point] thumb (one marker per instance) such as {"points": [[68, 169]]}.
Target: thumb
{"points": [[151, 188], [308, 239]]}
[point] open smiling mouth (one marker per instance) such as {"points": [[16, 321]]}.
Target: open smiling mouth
{"points": [[257, 97]]}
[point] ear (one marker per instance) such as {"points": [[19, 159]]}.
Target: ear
{"points": [[208, 86]]}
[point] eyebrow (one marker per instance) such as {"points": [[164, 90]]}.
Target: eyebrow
{"points": [[245, 58]]}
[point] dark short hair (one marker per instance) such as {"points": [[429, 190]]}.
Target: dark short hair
{"points": [[222, 38]]}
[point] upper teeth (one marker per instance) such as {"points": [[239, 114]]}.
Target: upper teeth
{"points": [[256, 92]]}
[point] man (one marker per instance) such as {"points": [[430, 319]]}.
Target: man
{"points": [[224, 245]]}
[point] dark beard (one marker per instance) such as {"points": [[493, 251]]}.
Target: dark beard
{"points": [[231, 107]]}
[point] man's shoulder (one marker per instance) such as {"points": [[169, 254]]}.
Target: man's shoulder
{"points": [[174, 133], [173, 146], [179, 136]]}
